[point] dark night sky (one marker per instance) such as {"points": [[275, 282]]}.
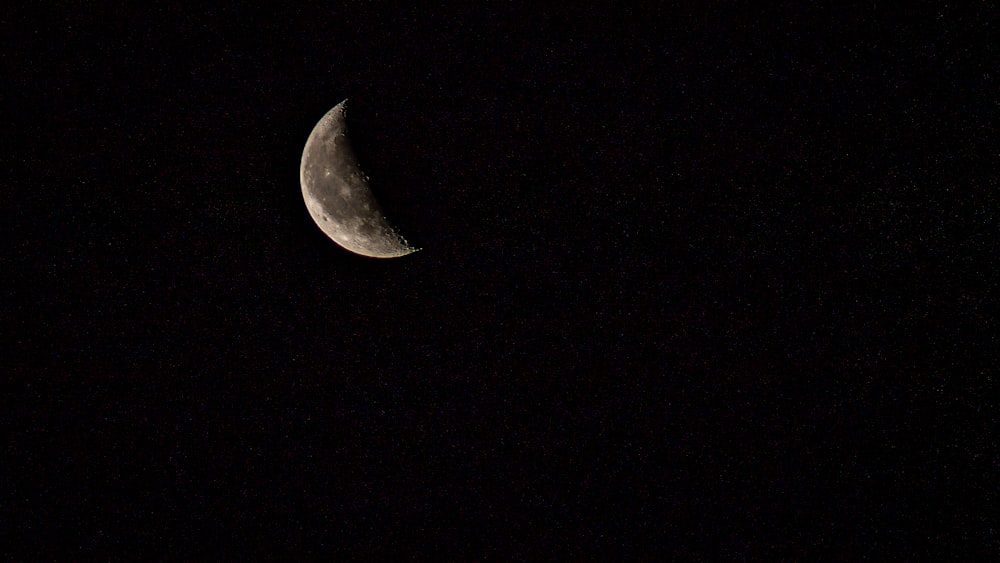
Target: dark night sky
{"points": [[701, 282]]}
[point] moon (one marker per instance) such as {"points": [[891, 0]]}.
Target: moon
{"points": [[337, 194]]}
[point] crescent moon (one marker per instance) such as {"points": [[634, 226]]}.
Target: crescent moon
{"points": [[337, 195]]}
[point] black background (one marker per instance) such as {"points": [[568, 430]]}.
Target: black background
{"points": [[703, 281]]}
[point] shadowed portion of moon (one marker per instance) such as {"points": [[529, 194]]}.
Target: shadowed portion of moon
{"points": [[337, 195]]}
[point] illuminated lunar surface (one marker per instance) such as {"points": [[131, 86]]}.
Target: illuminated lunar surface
{"points": [[337, 194]]}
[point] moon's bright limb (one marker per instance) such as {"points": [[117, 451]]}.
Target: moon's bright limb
{"points": [[337, 195]]}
